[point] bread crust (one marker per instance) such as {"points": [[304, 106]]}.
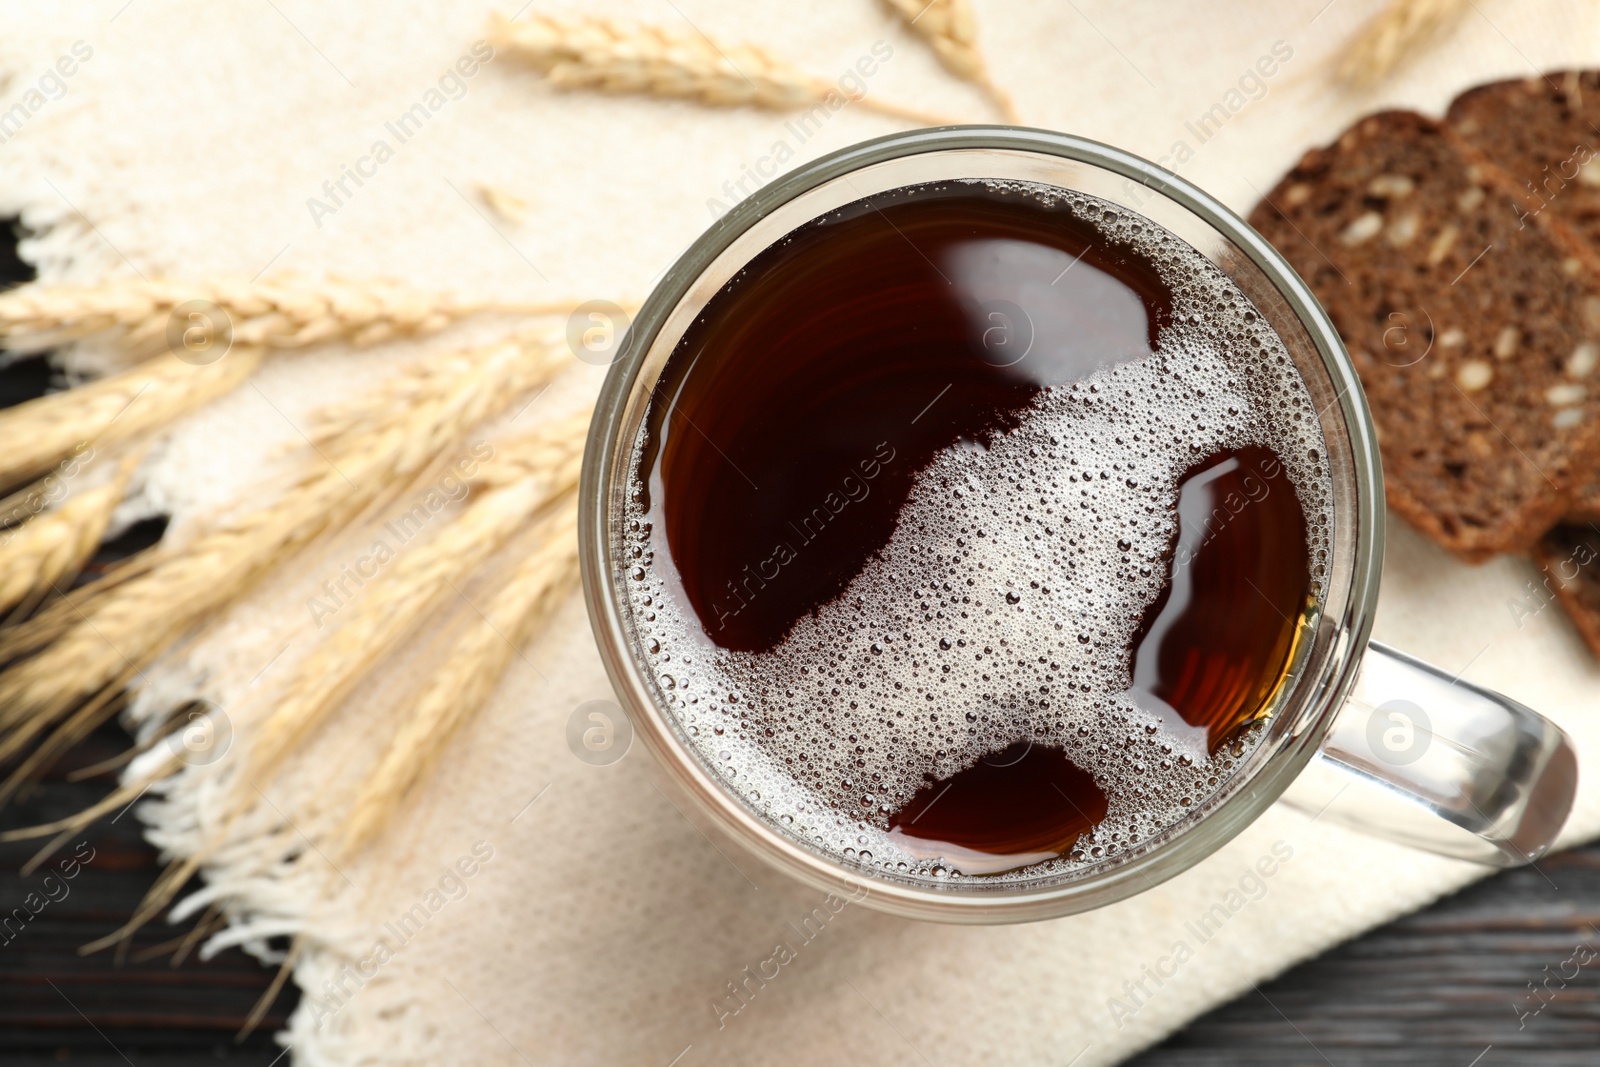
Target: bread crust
{"points": [[1545, 133]]}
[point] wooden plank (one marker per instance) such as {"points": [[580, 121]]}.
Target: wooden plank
{"points": [[56, 1003], [1438, 987]]}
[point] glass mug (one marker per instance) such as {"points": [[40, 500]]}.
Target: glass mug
{"points": [[1408, 752]]}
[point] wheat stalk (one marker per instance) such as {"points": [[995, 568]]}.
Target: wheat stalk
{"points": [[41, 432], [951, 30], [612, 56], [48, 550], [282, 312], [146, 397], [469, 675], [1380, 45], [528, 474], [105, 636]]}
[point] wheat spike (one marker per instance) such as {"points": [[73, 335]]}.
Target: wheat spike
{"points": [[469, 675], [613, 56], [528, 474], [41, 432], [282, 312], [104, 636], [275, 314], [47, 551], [951, 30], [1380, 45]]}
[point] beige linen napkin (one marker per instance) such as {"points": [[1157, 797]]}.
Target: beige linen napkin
{"points": [[531, 908]]}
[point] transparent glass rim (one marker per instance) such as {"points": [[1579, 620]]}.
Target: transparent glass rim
{"points": [[1318, 688]]}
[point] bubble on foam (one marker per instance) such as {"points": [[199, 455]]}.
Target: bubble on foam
{"points": [[1004, 606]]}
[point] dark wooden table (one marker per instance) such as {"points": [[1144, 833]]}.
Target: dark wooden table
{"points": [[1443, 987], [57, 1006]]}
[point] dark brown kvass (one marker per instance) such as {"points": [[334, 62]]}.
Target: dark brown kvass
{"points": [[798, 411]]}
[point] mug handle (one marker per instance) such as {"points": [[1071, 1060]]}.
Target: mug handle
{"points": [[1428, 760]]}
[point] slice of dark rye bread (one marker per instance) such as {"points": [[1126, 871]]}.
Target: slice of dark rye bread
{"points": [[1545, 132], [1465, 316], [1570, 558]]}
